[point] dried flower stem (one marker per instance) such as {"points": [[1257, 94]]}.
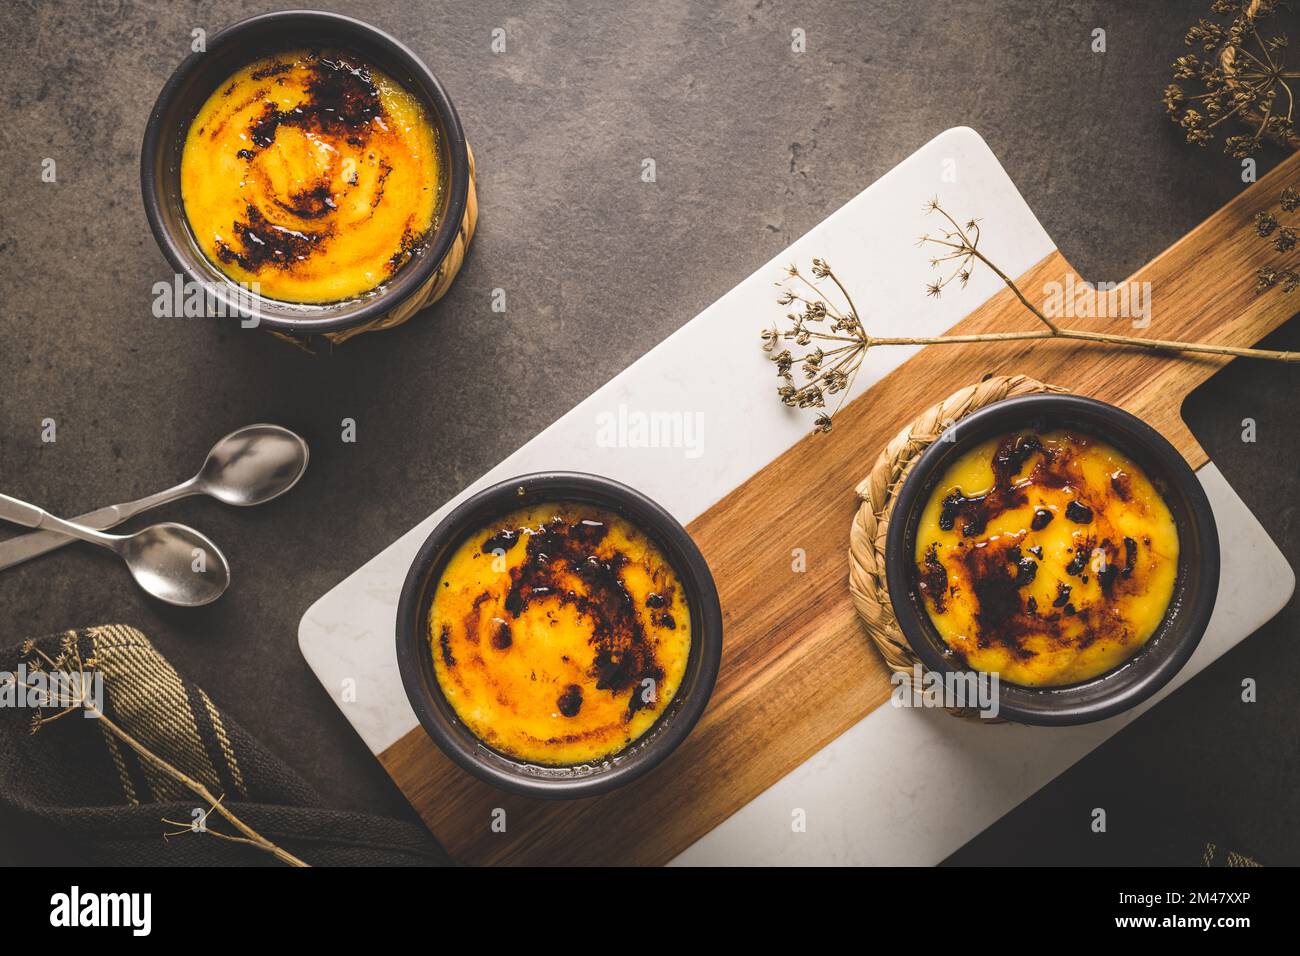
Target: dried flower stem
{"points": [[69, 662], [962, 245], [186, 828], [964, 242], [1158, 345], [251, 836]]}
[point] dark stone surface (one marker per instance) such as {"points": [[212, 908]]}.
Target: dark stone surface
{"points": [[754, 146]]}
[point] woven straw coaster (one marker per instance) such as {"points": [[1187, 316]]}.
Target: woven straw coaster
{"points": [[877, 492]]}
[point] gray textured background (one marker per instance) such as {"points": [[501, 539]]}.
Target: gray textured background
{"points": [[754, 146]]}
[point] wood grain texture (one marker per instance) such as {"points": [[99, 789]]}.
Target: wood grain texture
{"points": [[797, 671]]}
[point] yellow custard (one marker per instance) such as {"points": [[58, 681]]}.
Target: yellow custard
{"points": [[1048, 558], [559, 634], [312, 175]]}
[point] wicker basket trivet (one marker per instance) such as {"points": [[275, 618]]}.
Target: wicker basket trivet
{"points": [[871, 523]]}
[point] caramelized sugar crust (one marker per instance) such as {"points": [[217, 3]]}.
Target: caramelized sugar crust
{"points": [[312, 175], [1049, 558], [559, 633]]}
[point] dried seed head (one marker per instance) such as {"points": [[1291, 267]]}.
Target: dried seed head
{"points": [[1240, 74]]}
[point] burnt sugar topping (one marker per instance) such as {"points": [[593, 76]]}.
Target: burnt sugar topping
{"points": [[342, 101], [568, 633], [312, 175], [1047, 557], [624, 652]]}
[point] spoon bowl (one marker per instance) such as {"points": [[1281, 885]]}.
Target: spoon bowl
{"points": [[171, 562], [252, 465], [175, 564]]}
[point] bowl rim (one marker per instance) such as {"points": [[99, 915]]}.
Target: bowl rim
{"points": [[1185, 620], [415, 662], [413, 277]]}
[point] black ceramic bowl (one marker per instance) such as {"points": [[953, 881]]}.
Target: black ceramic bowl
{"points": [[415, 658], [1198, 559], [189, 87]]}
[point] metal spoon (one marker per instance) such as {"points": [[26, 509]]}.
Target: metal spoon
{"points": [[173, 563], [247, 467]]}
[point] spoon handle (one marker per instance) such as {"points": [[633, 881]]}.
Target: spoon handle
{"points": [[24, 547], [20, 512], [30, 516]]}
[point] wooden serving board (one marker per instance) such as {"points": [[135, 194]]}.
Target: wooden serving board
{"points": [[797, 671]]}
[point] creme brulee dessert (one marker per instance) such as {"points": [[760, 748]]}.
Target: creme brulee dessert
{"points": [[311, 174], [559, 634], [1047, 558]]}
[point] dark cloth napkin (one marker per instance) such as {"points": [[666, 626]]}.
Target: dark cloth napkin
{"points": [[75, 779]]}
